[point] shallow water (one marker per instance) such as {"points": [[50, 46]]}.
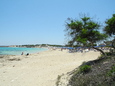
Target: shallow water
{"points": [[19, 50]]}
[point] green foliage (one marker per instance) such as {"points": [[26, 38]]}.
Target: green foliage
{"points": [[84, 31], [85, 69], [110, 26], [111, 72], [82, 40]]}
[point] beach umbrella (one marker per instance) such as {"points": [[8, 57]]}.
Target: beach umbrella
{"points": [[102, 45], [96, 46], [70, 48]]}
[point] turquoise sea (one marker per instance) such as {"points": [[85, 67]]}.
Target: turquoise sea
{"points": [[19, 50]]}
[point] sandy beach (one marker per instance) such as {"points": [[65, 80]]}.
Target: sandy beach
{"points": [[40, 69]]}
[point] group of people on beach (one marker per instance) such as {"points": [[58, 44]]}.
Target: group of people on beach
{"points": [[83, 50], [26, 54]]}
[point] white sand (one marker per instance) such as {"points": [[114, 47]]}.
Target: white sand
{"points": [[41, 69]]}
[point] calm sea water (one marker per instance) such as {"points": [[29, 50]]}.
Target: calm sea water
{"points": [[18, 50]]}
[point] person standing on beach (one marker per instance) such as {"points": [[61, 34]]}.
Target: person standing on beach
{"points": [[22, 53]]}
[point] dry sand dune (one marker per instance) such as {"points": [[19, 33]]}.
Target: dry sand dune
{"points": [[41, 69]]}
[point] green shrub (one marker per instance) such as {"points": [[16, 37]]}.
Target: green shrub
{"points": [[85, 69], [112, 71]]}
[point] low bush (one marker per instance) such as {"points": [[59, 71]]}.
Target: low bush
{"points": [[84, 69]]}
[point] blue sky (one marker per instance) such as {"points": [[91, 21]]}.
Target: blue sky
{"points": [[43, 21]]}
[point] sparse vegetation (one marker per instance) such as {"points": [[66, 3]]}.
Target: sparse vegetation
{"points": [[1, 57], [58, 80], [100, 72], [4, 58], [112, 71], [14, 59]]}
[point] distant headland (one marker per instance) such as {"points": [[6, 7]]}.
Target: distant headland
{"points": [[32, 45]]}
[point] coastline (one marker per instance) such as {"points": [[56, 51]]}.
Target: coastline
{"points": [[20, 50], [41, 69], [5, 59]]}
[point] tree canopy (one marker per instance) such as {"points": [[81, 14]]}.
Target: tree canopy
{"points": [[110, 28], [84, 31]]}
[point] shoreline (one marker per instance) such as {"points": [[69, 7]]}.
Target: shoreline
{"points": [[41, 69], [4, 59], [20, 50]]}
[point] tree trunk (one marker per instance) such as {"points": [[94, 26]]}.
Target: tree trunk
{"points": [[113, 43], [103, 53]]}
